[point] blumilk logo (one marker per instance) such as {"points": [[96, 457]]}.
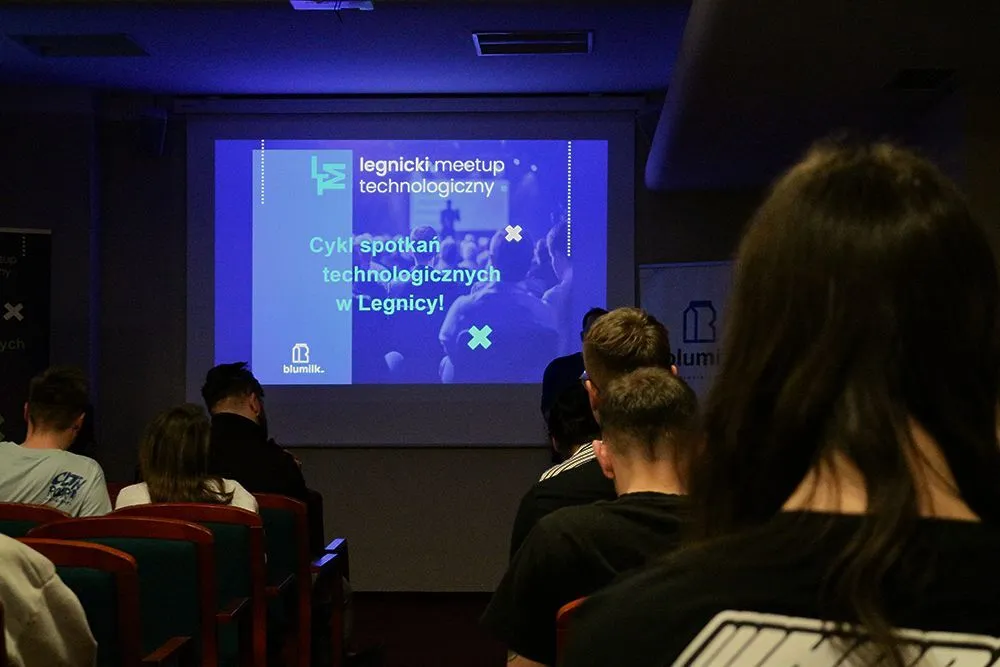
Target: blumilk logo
{"points": [[300, 362]]}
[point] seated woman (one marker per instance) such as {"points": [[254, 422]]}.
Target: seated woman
{"points": [[847, 494], [173, 459]]}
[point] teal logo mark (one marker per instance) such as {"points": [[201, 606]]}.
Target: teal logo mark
{"points": [[331, 177]]}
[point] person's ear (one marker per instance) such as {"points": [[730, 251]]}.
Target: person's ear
{"points": [[604, 459], [254, 403], [78, 424], [27, 419], [555, 447], [673, 369]]}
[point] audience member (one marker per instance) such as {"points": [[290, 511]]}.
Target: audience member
{"points": [[564, 372], [506, 301], [173, 459], [448, 255], [571, 427], [44, 623], [240, 448], [42, 471], [413, 335], [469, 254], [540, 276], [560, 296], [648, 419], [847, 488]]}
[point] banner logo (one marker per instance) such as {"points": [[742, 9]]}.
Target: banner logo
{"points": [[330, 177]]}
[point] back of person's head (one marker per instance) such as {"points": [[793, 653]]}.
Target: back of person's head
{"points": [[648, 414], [620, 342], [173, 458], [865, 302], [426, 234], [449, 253], [229, 382], [570, 420], [589, 318], [57, 400], [511, 258]]}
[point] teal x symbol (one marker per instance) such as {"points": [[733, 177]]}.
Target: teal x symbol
{"points": [[480, 337]]}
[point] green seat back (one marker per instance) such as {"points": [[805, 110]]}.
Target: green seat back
{"points": [[233, 578], [16, 527], [97, 591], [282, 554], [168, 587]]}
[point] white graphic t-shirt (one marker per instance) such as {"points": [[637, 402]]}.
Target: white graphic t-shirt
{"points": [[759, 600], [69, 482]]}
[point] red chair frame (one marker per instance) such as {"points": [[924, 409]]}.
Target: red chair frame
{"points": [[161, 529], [69, 553], [303, 573], [208, 513], [563, 618], [41, 514]]}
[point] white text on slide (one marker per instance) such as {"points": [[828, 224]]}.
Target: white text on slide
{"points": [[390, 305]]}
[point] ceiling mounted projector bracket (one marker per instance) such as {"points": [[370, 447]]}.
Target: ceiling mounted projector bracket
{"points": [[333, 5]]}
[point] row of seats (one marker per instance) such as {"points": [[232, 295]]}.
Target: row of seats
{"points": [[192, 584]]}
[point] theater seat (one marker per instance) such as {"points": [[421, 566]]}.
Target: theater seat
{"points": [[563, 619], [240, 573], [106, 581], [176, 565], [17, 519]]}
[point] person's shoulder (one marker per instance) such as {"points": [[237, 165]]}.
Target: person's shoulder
{"points": [[566, 522], [17, 557], [133, 494]]}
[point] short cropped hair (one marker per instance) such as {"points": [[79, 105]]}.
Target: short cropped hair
{"points": [[57, 397], [647, 411], [571, 421], [229, 381], [623, 340]]}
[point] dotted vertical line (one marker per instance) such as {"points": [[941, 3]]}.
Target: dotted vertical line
{"points": [[569, 198], [262, 171]]}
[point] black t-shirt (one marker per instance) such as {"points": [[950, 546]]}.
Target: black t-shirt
{"points": [[755, 599], [581, 485], [572, 553]]}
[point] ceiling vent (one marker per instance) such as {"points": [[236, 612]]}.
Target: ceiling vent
{"points": [[922, 79], [113, 45], [525, 43], [333, 5]]}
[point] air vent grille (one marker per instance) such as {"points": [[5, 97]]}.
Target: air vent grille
{"points": [[525, 43], [115, 45]]}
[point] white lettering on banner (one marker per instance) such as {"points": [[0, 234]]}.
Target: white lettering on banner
{"points": [[751, 639]]}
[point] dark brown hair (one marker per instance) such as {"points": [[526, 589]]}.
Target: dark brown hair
{"points": [[865, 296], [229, 381], [57, 397], [648, 411], [623, 340], [173, 458]]}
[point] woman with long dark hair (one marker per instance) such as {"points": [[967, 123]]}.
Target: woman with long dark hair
{"points": [[847, 494], [173, 461]]}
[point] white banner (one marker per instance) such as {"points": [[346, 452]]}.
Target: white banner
{"points": [[689, 299]]}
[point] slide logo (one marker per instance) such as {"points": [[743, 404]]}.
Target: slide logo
{"points": [[330, 177], [300, 362]]}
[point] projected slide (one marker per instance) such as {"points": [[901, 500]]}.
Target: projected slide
{"points": [[407, 262]]}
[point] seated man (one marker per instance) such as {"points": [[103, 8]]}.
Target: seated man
{"points": [[44, 623], [240, 449], [616, 343], [565, 371], [648, 420], [571, 428], [42, 471]]}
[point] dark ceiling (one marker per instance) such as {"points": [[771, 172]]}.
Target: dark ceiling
{"points": [[403, 48], [751, 82]]}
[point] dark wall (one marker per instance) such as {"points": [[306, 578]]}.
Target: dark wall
{"points": [[48, 141], [143, 276]]}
